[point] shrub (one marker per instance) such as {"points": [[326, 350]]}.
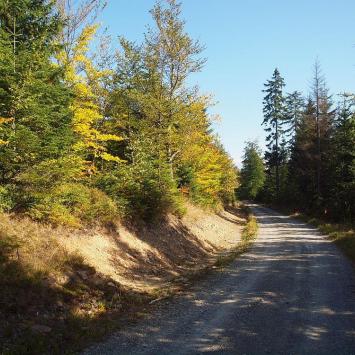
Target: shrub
{"points": [[52, 192], [49, 173], [141, 191], [73, 203], [6, 198]]}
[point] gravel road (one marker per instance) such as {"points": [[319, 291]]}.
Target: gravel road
{"points": [[292, 293]]}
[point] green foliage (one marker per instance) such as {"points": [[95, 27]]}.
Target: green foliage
{"points": [[169, 143], [52, 172], [316, 167], [72, 203], [341, 165], [35, 100], [53, 192], [140, 190], [294, 106], [275, 115], [6, 198], [252, 174]]}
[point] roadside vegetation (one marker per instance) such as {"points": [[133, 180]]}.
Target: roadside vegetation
{"points": [[342, 235], [53, 299], [98, 134]]}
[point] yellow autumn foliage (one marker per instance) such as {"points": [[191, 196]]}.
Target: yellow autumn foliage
{"points": [[86, 82]]}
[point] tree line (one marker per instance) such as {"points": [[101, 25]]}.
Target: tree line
{"points": [[88, 135], [309, 162]]}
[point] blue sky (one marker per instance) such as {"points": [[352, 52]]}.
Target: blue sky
{"points": [[245, 41]]}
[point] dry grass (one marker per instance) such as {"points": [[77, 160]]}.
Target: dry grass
{"points": [[145, 256], [51, 297], [343, 235], [35, 246]]}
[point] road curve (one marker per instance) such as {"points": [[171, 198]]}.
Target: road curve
{"points": [[292, 293]]}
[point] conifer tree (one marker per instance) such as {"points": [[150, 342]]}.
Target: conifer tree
{"points": [[274, 115], [294, 103], [341, 162], [324, 119], [35, 100]]}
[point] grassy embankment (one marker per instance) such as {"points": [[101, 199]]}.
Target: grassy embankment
{"points": [[52, 299]]}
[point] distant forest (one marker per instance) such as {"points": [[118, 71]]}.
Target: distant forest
{"points": [[309, 163]]}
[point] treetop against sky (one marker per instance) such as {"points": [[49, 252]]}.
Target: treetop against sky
{"points": [[245, 41]]}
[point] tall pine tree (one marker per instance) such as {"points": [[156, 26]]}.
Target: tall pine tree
{"points": [[274, 115]]}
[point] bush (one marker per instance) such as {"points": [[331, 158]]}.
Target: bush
{"points": [[50, 192], [52, 172], [6, 198], [140, 192], [73, 203]]}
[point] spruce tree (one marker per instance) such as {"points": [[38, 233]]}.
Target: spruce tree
{"points": [[294, 103], [35, 100], [274, 115], [303, 159], [323, 117], [341, 162]]}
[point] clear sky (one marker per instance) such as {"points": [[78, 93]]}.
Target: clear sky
{"points": [[245, 40]]}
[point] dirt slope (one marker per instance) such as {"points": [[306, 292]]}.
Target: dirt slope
{"points": [[145, 256]]}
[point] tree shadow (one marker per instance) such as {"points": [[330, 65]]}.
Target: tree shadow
{"points": [[38, 315], [172, 249]]}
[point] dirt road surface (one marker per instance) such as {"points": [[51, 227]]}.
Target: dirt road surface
{"points": [[292, 293]]}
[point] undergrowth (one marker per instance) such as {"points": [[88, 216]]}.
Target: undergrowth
{"points": [[342, 234]]}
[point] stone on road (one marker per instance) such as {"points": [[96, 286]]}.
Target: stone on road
{"points": [[293, 292]]}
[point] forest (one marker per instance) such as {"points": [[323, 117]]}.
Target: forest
{"points": [[309, 162], [121, 211], [89, 133]]}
